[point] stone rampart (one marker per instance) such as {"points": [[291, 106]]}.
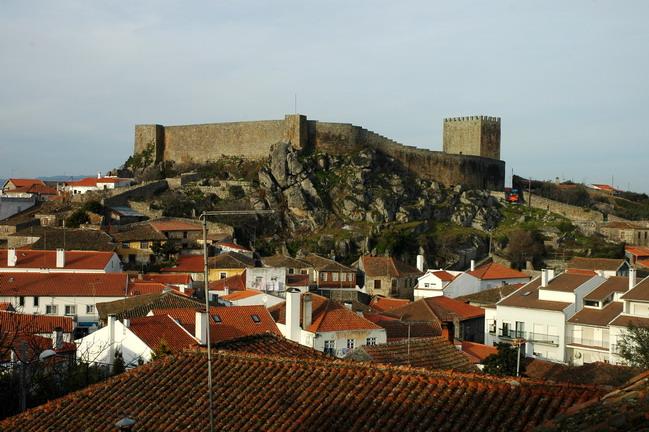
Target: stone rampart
{"points": [[254, 139], [138, 192]]}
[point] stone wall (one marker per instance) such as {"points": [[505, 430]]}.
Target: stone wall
{"points": [[122, 196], [254, 139], [474, 135]]}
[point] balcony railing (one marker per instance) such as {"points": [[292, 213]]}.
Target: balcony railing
{"points": [[512, 334], [542, 338], [595, 343]]}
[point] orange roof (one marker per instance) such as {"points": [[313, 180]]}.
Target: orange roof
{"points": [[446, 306], [233, 246], [478, 351], [74, 260], [63, 284], [174, 225], [643, 263], [36, 189], [14, 322], [235, 321], [638, 251], [444, 275], [297, 279], [233, 283], [26, 182], [172, 279], [140, 288], [581, 272], [375, 266], [187, 264], [497, 271], [92, 181], [153, 330], [240, 295], [383, 304], [6, 306]]}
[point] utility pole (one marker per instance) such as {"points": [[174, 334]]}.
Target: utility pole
{"points": [[529, 192]]}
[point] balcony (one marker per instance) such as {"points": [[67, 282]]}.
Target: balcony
{"points": [[588, 343], [511, 334], [542, 338]]}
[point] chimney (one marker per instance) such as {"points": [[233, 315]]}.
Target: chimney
{"points": [[544, 278], [57, 338], [307, 310], [111, 339], [550, 274], [348, 305], [201, 323], [472, 265], [60, 258], [98, 174], [127, 322], [226, 290], [632, 277], [12, 258], [293, 296], [420, 263]]}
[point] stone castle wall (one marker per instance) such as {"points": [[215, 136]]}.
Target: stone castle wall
{"points": [[254, 140], [474, 136]]}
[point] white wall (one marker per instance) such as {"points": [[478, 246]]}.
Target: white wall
{"points": [[495, 283], [267, 300], [317, 341], [270, 278], [95, 348], [464, 284], [60, 302]]}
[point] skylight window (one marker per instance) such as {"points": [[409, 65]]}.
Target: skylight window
{"points": [[255, 318], [217, 319]]}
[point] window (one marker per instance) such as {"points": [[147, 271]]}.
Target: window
{"points": [[258, 281], [492, 327], [51, 309], [35, 301], [350, 343], [126, 245], [90, 309], [70, 309], [144, 245], [371, 341], [593, 303], [223, 275], [217, 319], [377, 284], [323, 276], [21, 301], [426, 285], [291, 271], [329, 347], [335, 277], [255, 319]]}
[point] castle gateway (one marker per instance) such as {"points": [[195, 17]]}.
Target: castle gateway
{"points": [[471, 155]]}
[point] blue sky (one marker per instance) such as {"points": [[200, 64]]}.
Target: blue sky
{"points": [[569, 79]]}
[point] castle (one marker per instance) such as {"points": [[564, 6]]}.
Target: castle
{"points": [[471, 155]]}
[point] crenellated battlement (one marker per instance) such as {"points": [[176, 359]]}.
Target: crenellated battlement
{"points": [[469, 118]]}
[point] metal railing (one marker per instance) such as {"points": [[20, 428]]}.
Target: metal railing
{"points": [[512, 334], [543, 338], [596, 343]]}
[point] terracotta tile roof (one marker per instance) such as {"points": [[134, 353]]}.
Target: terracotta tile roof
{"points": [[232, 246], [92, 181], [270, 344], [285, 261], [327, 315], [597, 317], [624, 409], [171, 279], [612, 285], [639, 292], [138, 306], [6, 306], [445, 308], [63, 284], [639, 251], [277, 393], [494, 270], [597, 373], [25, 182], [230, 260], [643, 263], [138, 232], [477, 352], [326, 264], [14, 322], [35, 189], [444, 275], [490, 297], [74, 260], [136, 288], [297, 280], [382, 304], [398, 330], [236, 321], [187, 264], [429, 353], [240, 295], [610, 264], [152, 330], [567, 282], [28, 347], [528, 297], [233, 283], [164, 225], [71, 239], [581, 272], [377, 266], [595, 263], [627, 320]]}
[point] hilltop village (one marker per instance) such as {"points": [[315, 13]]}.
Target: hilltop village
{"points": [[334, 278]]}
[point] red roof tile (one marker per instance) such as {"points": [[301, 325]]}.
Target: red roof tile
{"points": [[583, 263], [14, 322], [63, 284], [233, 283], [270, 344], [382, 304], [171, 279], [376, 266], [494, 270], [139, 287], [240, 295], [639, 251], [639, 292], [175, 225], [232, 246], [35, 189], [254, 393], [6, 306], [187, 264], [92, 181], [444, 275], [478, 351], [297, 280], [74, 260], [26, 182], [152, 330], [446, 308]]}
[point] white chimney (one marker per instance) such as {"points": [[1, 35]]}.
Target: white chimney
{"points": [[60, 258], [544, 278], [200, 329], [472, 265], [226, 290], [12, 258], [307, 314], [420, 263], [293, 296], [550, 274], [127, 322], [57, 338], [632, 277], [111, 339], [98, 174]]}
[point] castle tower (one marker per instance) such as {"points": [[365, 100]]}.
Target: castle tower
{"points": [[473, 136]]}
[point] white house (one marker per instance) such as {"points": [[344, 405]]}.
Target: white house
{"points": [[484, 277], [90, 184], [66, 294], [136, 339], [324, 324], [433, 282], [266, 278], [635, 311], [537, 313], [58, 261]]}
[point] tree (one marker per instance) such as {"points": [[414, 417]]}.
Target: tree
{"points": [[633, 346], [118, 363], [161, 351], [504, 362], [523, 245], [166, 251], [77, 218]]}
